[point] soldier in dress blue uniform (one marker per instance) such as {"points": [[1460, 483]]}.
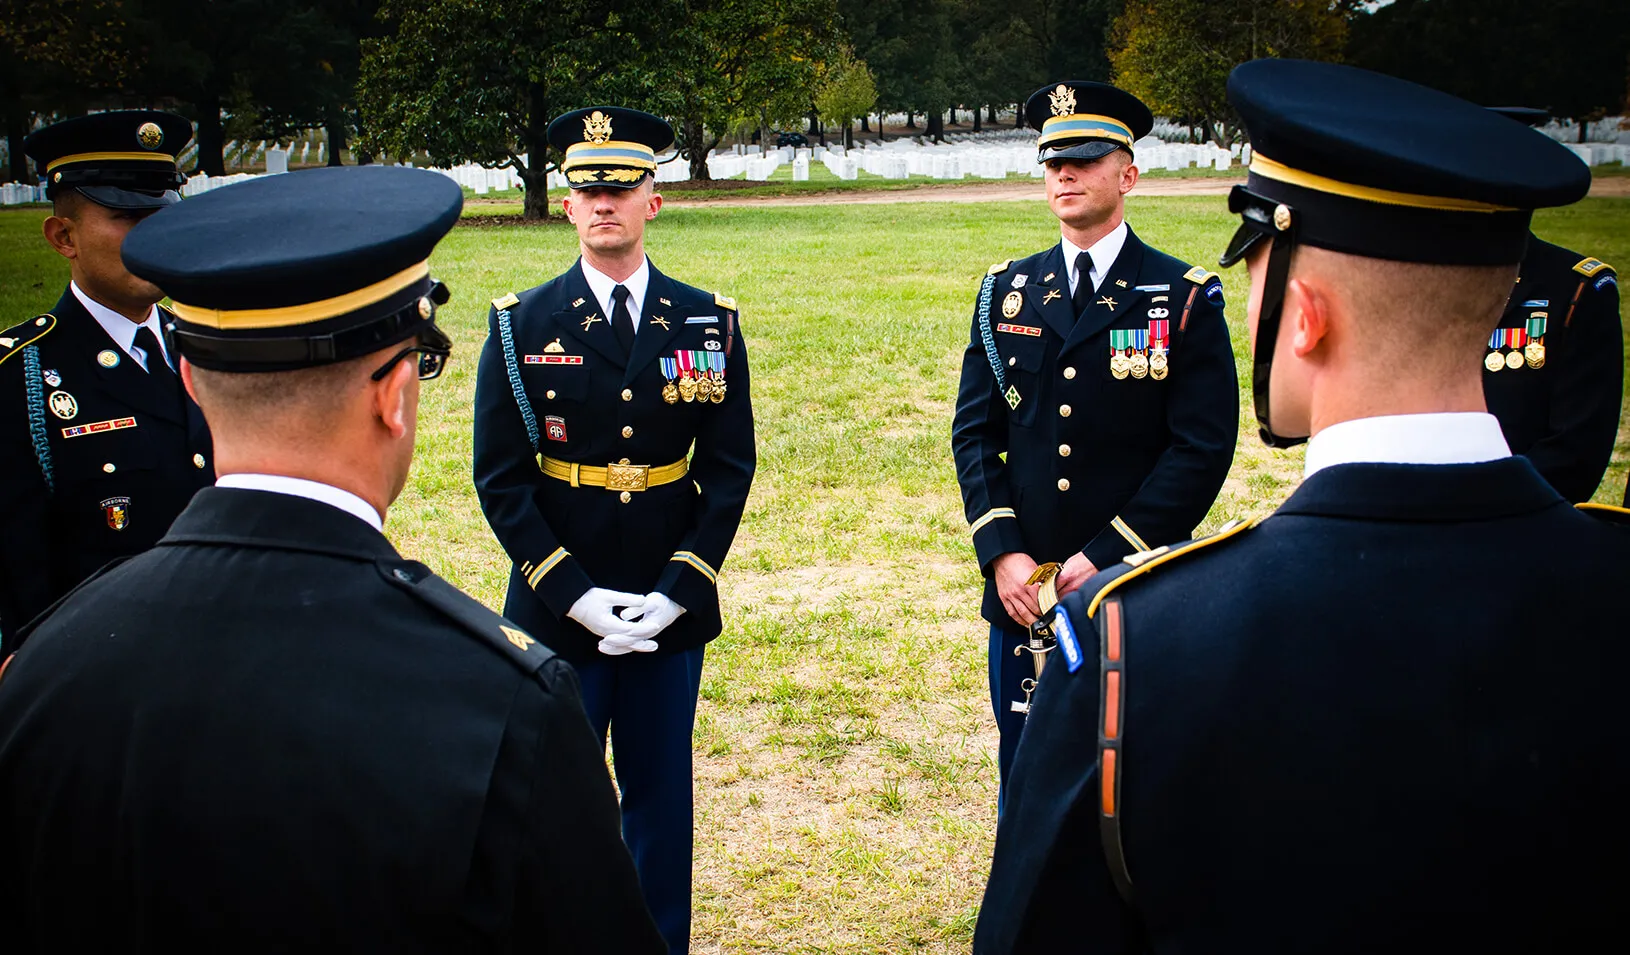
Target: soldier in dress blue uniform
{"points": [[100, 448], [613, 454], [1555, 363], [1099, 407], [271, 732], [1365, 723]]}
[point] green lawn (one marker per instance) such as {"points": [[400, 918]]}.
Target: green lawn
{"points": [[845, 749]]}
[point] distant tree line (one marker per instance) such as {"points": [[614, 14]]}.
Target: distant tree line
{"points": [[479, 80]]}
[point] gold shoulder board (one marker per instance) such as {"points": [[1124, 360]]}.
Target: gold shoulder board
{"points": [[506, 302], [18, 337], [1145, 561], [1000, 267], [724, 301], [1589, 267], [1199, 276]]}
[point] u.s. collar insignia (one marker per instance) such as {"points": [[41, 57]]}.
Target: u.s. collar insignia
{"points": [[579, 302], [519, 638], [1063, 100], [665, 302], [1048, 277], [553, 348], [1051, 294], [1106, 300], [1121, 283], [596, 127], [590, 321], [1020, 280]]}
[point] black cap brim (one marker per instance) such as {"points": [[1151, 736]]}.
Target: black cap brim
{"points": [[113, 197], [1088, 150], [1256, 223]]}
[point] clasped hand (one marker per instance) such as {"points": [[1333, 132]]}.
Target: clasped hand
{"points": [[632, 630]]}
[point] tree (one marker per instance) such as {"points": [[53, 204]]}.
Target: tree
{"points": [[480, 80], [56, 56], [1465, 47], [302, 73], [847, 92], [1176, 55]]}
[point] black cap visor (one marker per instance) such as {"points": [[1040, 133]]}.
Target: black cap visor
{"points": [[1256, 223], [113, 197], [1087, 150]]}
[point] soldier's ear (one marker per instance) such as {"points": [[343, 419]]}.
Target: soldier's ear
{"points": [[59, 232], [391, 398]]}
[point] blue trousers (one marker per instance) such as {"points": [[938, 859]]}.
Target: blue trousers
{"points": [[647, 704], [1007, 671]]}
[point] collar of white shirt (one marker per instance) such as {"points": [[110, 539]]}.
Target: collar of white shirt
{"points": [[310, 490], [122, 330], [601, 285], [1463, 437], [1104, 253]]}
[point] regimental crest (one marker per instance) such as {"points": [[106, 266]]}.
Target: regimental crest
{"points": [[149, 136], [117, 510], [1063, 99], [596, 127], [63, 405]]}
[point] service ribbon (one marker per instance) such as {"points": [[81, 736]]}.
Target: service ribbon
{"points": [[670, 368], [1158, 330], [1497, 340], [1140, 339], [1536, 327], [1517, 337], [686, 363]]}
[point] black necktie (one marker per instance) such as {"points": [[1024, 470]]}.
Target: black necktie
{"points": [[1083, 283], [148, 342], [622, 322]]}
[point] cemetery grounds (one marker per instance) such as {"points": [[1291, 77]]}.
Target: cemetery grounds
{"points": [[845, 752]]}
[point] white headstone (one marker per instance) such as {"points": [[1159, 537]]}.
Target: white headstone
{"points": [[277, 161], [800, 169]]}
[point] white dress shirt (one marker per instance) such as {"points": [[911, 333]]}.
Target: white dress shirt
{"points": [[1104, 253], [310, 490], [601, 285], [122, 330], [1462, 437]]}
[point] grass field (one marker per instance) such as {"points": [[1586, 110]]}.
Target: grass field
{"points": [[845, 751]]}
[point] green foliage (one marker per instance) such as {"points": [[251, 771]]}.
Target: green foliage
{"points": [[1567, 56], [846, 93], [479, 80], [1176, 55]]}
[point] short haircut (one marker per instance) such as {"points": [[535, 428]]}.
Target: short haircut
{"points": [[282, 403], [67, 203]]}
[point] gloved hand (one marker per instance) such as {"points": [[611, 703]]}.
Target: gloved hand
{"points": [[596, 610], [618, 644], [650, 616]]}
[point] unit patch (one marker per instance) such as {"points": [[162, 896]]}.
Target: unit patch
{"points": [[117, 512], [553, 359], [1605, 281], [555, 427], [97, 427], [1031, 330], [63, 405]]}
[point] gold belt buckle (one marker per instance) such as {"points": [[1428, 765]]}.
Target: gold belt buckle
{"points": [[627, 477]]}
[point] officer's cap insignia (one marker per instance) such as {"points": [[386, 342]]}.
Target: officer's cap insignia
{"points": [[724, 301], [519, 638], [506, 302], [596, 127], [1589, 267], [1000, 267], [1063, 100], [553, 348], [150, 136]]}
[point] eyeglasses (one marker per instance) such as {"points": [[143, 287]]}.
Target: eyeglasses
{"points": [[431, 361]]}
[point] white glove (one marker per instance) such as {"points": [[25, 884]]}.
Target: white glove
{"points": [[596, 610], [617, 644], [649, 617]]}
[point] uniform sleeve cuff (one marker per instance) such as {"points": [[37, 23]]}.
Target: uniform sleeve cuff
{"points": [[689, 581], [1113, 543], [995, 533], [557, 579]]}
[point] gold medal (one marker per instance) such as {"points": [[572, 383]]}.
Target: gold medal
{"points": [[1535, 353], [670, 393], [687, 388], [718, 391], [704, 387], [1513, 359], [1157, 365], [1119, 366], [1494, 361], [1140, 365]]}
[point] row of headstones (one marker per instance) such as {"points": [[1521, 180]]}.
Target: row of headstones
{"points": [[1595, 154]]}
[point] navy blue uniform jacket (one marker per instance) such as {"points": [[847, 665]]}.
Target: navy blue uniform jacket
{"points": [[671, 538], [1142, 459], [270, 733], [1564, 414], [1365, 725], [126, 451]]}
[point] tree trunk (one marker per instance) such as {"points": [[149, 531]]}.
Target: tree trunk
{"points": [[936, 127], [953, 116], [864, 124], [976, 118], [848, 136], [992, 117], [763, 134], [535, 177], [880, 137], [211, 137], [693, 133], [814, 122], [336, 134], [911, 120], [1583, 125], [16, 131], [820, 130]]}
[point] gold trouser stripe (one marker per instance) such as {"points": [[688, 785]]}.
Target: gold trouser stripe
{"points": [[548, 564], [1269, 169], [580, 474], [686, 557], [310, 311], [1126, 531], [106, 156], [991, 515]]}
